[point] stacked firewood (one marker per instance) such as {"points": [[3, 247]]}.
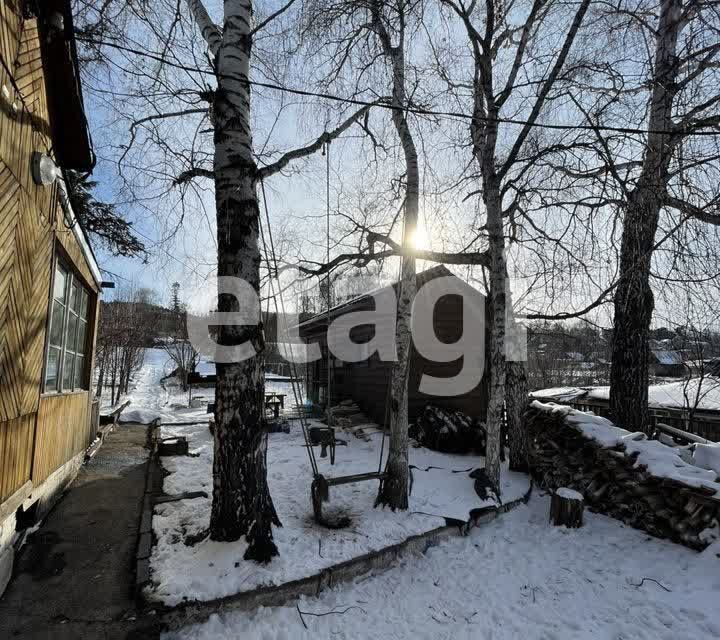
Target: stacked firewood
{"points": [[562, 456], [448, 431]]}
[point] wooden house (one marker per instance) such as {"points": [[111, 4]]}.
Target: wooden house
{"points": [[367, 382], [49, 280]]}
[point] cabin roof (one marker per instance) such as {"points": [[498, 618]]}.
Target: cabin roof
{"points": [[667, 357], [321, 319], [72, 144]]}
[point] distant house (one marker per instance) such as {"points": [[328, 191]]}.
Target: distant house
{"points": [[666, 363], [367, 382], [49, 280]]}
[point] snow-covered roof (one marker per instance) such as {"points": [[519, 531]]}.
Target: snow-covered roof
{"points": [[673, 395], [667, 357]]}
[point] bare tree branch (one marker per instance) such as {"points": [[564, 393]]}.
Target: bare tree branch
{"points": [[272, 16], [302, 152], [209, 30]]}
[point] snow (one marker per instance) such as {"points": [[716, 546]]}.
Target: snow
{"points": [[706, 391], [559, 394], [139, 415], [673, 394], [442, 489], [516, 577], [569, 494], [661, 460], [707, 456]]}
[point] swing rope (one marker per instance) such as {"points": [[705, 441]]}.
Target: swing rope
{"points": [[273, 273]]}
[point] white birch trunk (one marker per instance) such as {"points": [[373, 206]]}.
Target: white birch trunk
{"points": [[497, 302], [241, 500], [394, 489]]}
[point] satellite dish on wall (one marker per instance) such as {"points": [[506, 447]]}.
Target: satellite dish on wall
{"points": [[44, 169]]}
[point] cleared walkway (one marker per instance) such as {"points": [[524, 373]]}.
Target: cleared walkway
{"points": [[74, 578]]}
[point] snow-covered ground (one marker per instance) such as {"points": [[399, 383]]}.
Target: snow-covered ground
{"points": [[515, 578], [700, 393], [442, 489]]}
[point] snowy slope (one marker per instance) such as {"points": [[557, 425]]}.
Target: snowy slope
{"points": [[515, 578]]}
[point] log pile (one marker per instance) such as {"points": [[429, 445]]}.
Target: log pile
{"points": [[448, 431], [611, 483]]}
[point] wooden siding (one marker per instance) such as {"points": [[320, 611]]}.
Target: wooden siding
{"points": [[63, 426], [367, 382], [36, 436], [16, 451]]}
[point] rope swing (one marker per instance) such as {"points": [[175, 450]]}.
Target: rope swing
{"points": [[320, 487]]}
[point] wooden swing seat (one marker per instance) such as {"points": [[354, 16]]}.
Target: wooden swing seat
{"points": [[320, 494]]}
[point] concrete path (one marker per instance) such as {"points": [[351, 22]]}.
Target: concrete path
{"points": [[74, 578]]}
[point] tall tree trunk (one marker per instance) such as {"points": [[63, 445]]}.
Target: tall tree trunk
{"points": [[516, 401], [634, 301], [101, 376], [485, 141], [241, 499], [394, 488]]}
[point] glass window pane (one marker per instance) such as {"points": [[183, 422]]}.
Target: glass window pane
{"points": [[72, 323], [81, 337], [76, 294], [67, 374], [51, 371], [60, 282], [84, 305], [79, 372], [56, 323]]}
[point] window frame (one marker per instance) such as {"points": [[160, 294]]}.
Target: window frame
{"points": [[73, 282]]}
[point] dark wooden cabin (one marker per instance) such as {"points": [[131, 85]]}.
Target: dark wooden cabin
{"points": [[367, 382]]}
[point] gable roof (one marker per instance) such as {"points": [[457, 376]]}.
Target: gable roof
{"points": [[422, 278]]}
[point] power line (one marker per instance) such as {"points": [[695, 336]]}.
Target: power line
{"points": [[415, 110]]}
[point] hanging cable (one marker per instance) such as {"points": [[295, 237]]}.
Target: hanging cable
{"points": [[326, 152], [273, 274]]}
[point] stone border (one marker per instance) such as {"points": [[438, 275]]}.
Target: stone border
{"points": [[153, 488], [195, 612]]}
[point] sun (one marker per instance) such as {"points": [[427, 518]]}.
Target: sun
{"points": [[420, 239]]}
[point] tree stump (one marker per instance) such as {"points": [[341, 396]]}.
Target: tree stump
{"points": [[566, 508]]}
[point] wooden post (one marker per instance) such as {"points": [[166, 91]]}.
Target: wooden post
{"points": [[566, 508]]}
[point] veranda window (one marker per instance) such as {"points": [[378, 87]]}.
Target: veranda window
{"points": [[65, 369]]}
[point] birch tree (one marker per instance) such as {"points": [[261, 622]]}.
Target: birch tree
{"points": [[364, 34], [395, 486], [241, 505], [491, 27]]}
